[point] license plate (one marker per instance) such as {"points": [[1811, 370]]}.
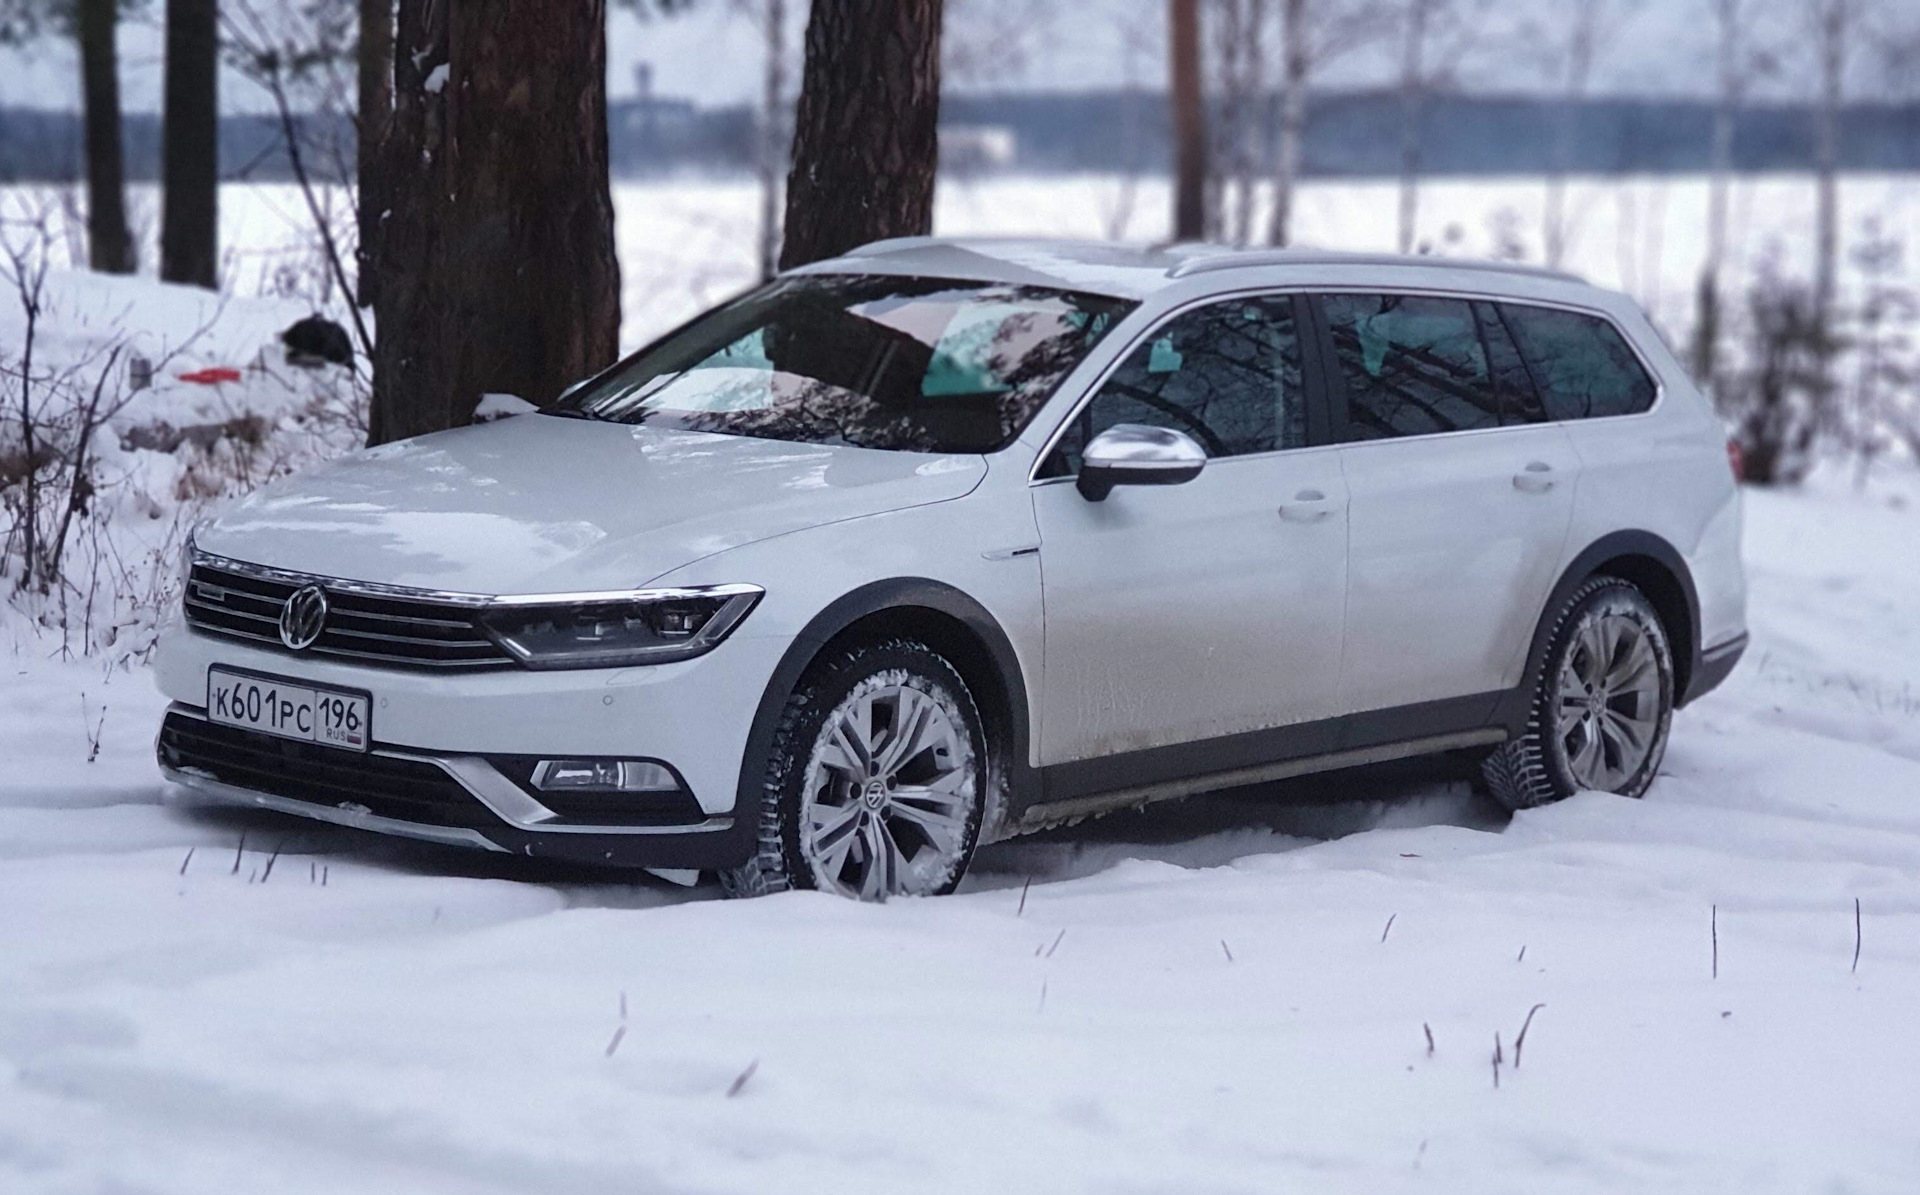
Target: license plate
{"points": [[290, 709]]}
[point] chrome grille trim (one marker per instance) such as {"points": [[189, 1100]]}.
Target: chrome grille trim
{"points": [[381, 624]]}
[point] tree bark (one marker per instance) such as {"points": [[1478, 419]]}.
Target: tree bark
{"points": [[1832, 19], [1296, 55], [772, 150], [375, 112], [190, 146], [110, 246], [1583, 37], [1706, 321], [1413, 102], [1189, 121], [1253, 121], [866, 141], [497, 271]]}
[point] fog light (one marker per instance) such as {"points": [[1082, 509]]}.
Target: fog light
{"points": [[604, 776]]}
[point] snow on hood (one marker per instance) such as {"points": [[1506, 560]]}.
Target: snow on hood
{"points": [[546, 505]]}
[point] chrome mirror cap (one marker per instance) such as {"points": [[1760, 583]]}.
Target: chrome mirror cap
{"points": [[1135, 454]]}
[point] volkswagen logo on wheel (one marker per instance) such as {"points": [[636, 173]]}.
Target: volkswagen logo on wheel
{"points": [[303, 617]]}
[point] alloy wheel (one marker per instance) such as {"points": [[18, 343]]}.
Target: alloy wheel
{"points": [[890, 791], [1607, 720]]}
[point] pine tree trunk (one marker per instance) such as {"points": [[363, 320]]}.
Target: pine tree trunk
{"points": [[190, 146], [1706, 321], [375, 111], [866, 142], [496, 270], [110, 246], [1831, 35], [1413, 96], [1296, 64], [1189, 122], [771, 151]]}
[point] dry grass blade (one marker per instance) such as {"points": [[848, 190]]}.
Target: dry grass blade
{"points": [[621, 1032], [1520, 1042], [1388, 928], [1855, 969], [740, 1081]]}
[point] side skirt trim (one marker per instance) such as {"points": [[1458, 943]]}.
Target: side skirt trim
{"points": [[1056, 812]]}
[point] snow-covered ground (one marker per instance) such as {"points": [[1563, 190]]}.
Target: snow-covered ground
{"points": [[1229, 994]]}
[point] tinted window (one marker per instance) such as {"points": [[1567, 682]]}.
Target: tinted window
{"points": [[1512, 384], [1413, 365], [1582, 365], [917, 364], [1228, 375]]}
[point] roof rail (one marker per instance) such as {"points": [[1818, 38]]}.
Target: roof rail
{"points": [[1234, 259]]}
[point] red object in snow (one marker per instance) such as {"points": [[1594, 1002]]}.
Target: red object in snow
{"points": [[209, 377]]}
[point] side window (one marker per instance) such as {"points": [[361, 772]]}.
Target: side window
{"points": [[1519, 401], [1228, 375], [1583, 367], [1414, 365]]}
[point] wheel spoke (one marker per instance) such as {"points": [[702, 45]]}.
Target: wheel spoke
{"points": [[1634, 669], [879, 879], [833, 838], [1573, 694], [1584, 762], [1593, 646], [1634, 734], [939, 817], [842, 752], [913, 715]]}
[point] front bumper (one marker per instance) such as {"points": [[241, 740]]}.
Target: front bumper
{"points": [[454, 799]]}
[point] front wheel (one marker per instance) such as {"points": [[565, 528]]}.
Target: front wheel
{"points": [[1602, 703], [875, 781]]}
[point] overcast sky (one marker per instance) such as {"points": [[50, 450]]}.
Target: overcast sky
{"points": [[712, 55]]}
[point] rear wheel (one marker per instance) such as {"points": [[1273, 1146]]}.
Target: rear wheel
{"points": [[874, 785], [1602, 703]]}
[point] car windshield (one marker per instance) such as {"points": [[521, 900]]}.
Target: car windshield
{"points": [[909, 364]]}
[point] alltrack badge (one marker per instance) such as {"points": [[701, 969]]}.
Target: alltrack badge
{"points": [[303, 617]]}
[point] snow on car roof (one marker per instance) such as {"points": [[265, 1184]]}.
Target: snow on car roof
{"points": [[1130, 271]]}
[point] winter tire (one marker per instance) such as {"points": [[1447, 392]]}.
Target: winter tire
{"points": [[875, 781], [1602, 702]]}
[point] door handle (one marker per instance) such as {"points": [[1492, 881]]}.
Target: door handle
{"points": [[1308, 506], [1534, 478]]}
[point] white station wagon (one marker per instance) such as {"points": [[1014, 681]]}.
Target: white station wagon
{"points": [[947, 540]]}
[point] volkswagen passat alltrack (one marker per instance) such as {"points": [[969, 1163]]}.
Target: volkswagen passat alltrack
{"points": [[946, 540]]}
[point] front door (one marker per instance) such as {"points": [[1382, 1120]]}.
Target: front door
{"points": [[1177, 614]]}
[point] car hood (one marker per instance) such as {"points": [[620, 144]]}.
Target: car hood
{"points": [[538, 504]]}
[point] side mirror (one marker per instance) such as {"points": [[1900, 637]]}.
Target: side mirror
{"points": [[1135, 454]]}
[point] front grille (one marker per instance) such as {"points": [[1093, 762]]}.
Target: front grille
{"points": [[392, 630], [409, 790]]}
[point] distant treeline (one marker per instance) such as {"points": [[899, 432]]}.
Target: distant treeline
{"points": [[1354, 133]]}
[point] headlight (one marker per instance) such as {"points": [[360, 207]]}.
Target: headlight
{"points": [[651, 626]]}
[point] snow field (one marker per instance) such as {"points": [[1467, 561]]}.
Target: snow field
{"points": [[1228, 994]]}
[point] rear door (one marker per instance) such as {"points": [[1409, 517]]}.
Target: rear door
{"points": [[1460, 495]]}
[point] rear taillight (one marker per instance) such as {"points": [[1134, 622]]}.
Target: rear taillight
{"points": [[1736, 460]]}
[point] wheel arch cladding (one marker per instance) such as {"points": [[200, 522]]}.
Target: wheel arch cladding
{"points": [[1657, 569], [946, 620]]}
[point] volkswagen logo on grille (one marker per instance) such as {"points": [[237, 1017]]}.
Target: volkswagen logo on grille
{"points": [[303, 617]]}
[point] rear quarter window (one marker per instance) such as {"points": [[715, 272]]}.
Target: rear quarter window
{"points": [[1582, 365]]}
